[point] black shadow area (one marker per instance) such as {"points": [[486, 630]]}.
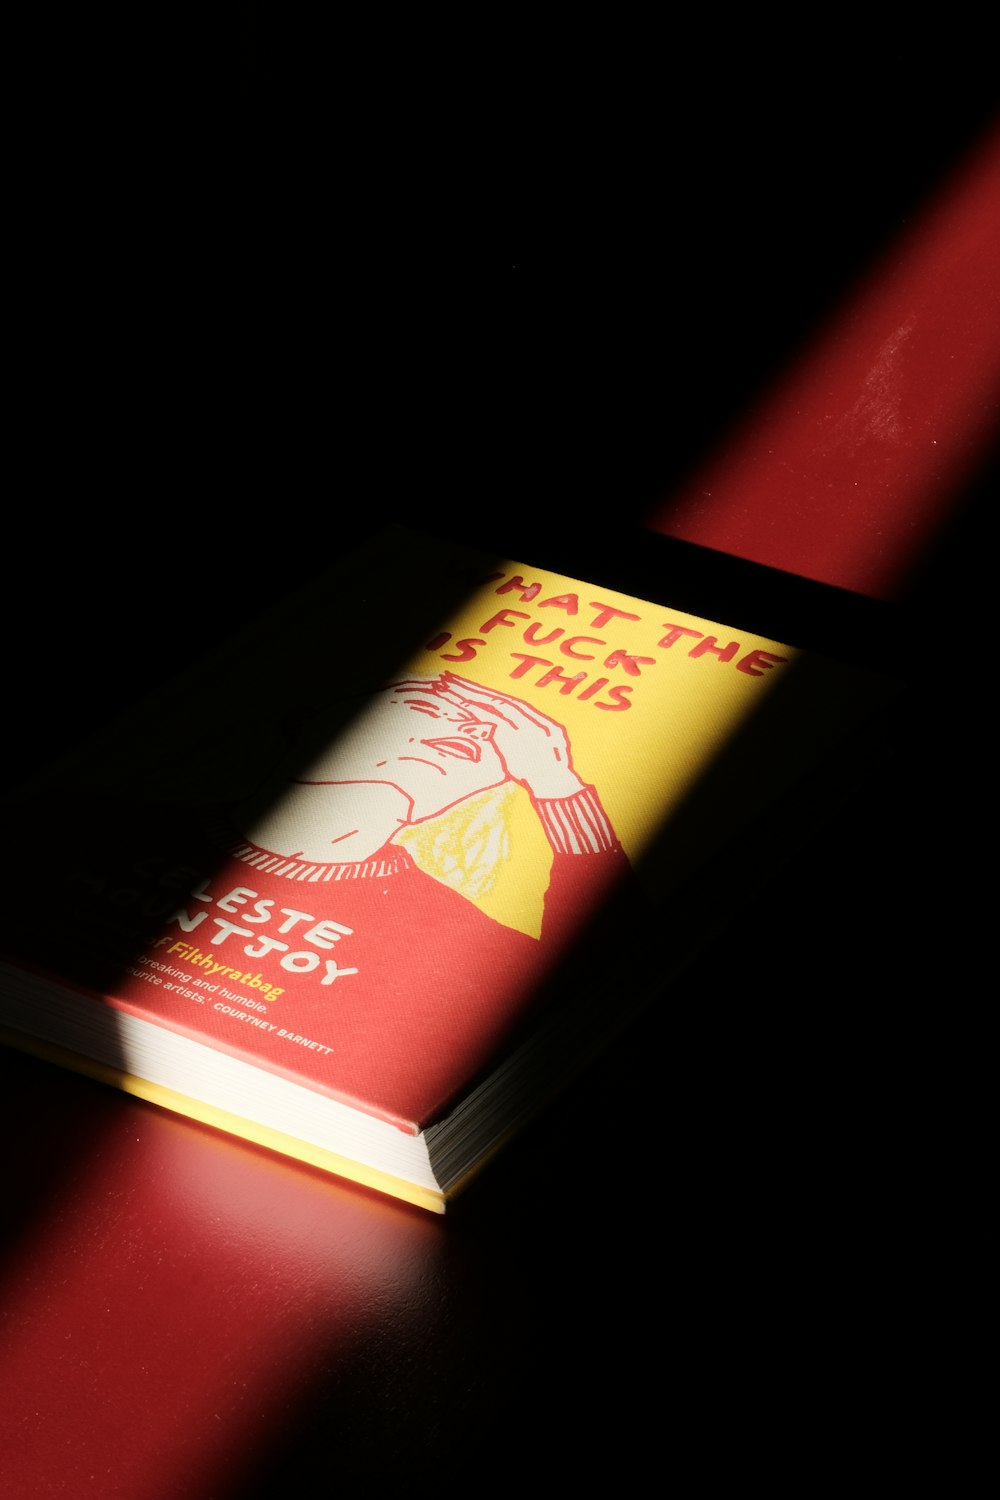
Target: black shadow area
{"points": [[272, 286]]}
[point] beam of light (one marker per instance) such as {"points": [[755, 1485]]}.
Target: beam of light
{"points": [[844, 474], [848, 470]]}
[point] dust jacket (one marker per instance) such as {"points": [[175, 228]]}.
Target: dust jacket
{"points": [[393, 862]]}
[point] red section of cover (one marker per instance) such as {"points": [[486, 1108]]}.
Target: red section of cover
{"points": [[390, 990]]}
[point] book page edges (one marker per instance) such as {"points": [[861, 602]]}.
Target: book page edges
{"points": [[230, 1124]]}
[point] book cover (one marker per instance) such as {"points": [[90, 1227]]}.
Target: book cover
{"points": [[438, 803]]}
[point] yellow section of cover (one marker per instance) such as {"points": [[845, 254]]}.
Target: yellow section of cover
{"points": [[652, 701], [220, 1119]]}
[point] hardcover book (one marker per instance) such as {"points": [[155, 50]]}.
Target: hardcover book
{"points": [[391, 863]]}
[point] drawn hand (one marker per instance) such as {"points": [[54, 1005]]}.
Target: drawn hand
{"points": [[534, 748]]}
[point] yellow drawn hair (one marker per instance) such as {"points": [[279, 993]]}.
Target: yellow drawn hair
{"points": [[471, 848]]}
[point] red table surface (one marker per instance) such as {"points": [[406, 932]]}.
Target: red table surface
{"points": [[185, 1316]]}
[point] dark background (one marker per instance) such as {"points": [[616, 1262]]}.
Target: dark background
{"points": [[272, 277]]}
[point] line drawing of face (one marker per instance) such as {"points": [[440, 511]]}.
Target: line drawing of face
{"points": [[403, 755], [434, 751]]}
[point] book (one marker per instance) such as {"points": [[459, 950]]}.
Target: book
{"points": [[373, 878]]}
